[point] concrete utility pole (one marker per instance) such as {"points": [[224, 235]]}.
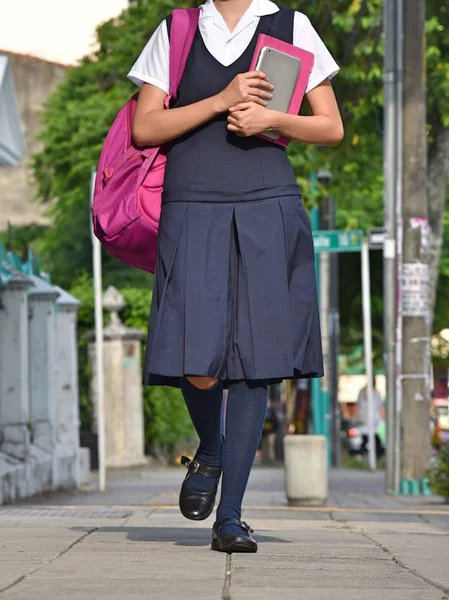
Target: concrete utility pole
{"points": [[414, 289], [392, 208]]}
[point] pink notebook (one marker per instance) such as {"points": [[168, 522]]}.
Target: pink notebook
{"points": [[307, 60]]}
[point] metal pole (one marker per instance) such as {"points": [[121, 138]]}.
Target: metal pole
{"points": [[324, 259], [367, 338], [324, 314], [334, 337], [317, 418], [98, 292], [391, 107], [399, 135]]}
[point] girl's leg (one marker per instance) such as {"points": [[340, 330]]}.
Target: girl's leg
{"points": [[246, 410], [204, 406]]}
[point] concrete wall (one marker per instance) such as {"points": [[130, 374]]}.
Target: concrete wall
{"points": [[39, 422], [34, 80]]}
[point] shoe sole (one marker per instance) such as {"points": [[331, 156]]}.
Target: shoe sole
{"points": [[240, 546]]}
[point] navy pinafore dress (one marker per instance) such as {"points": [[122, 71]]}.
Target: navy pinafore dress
{"points": [[234, 293]]}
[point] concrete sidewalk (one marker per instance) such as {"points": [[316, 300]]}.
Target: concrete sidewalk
{"points": [[134, 544]]}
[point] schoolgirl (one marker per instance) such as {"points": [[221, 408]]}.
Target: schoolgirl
{"points": [[234, 298]]}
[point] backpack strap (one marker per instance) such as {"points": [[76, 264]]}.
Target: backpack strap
{"points": [[281, 24], [183, 28]]}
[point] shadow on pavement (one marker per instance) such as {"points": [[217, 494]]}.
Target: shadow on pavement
{"points": [[180, 536]]}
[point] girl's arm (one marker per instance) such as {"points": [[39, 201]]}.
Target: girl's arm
{"points": [[154, 125], [324, 127]]}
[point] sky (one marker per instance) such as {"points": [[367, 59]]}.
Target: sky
{"points": [[57, 30]]}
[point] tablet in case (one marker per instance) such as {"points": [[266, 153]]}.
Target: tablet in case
{"points": [[307, 60]]}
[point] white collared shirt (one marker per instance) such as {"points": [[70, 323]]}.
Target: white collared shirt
{"points": [[226, 47]]}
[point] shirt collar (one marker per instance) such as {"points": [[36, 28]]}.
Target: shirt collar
{"points": [[257, 8], [262, 8]]}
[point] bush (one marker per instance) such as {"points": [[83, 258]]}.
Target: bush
{"points": [[439, 474], [165, 415]]}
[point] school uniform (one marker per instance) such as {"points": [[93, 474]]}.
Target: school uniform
{"points": [[234, 292]]}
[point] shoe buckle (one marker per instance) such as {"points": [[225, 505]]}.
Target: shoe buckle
{"points": [[247, 527], [194, 466]]}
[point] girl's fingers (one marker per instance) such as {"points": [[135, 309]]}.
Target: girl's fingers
{"points": [[256, 74], [256, 92], [235, 130], [261, 94], [249, 104], [256, 100], [241, 106], [260, 83], [233, 121]]}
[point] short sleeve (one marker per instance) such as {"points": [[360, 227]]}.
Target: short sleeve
{"points": [[152, 66], [305, 36]]}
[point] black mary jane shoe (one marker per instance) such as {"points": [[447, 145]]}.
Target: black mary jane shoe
{"points": [[197, 506], [229, 542]]}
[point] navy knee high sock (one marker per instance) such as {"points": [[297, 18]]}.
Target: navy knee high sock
{"points": [[204, 407], [246, 411]]}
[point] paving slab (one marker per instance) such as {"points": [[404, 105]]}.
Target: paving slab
{"points": [[24, 551], [391, 527], [427, 555], [295, 572], [380, 517], [306, 593]]}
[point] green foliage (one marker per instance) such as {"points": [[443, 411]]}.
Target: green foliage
{"points": [[351, 304], [83, 290], [352, 31], [439, 473], [437, 65], [166, 418], [20, 239], [442, 298]]}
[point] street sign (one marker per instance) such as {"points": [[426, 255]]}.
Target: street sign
{"points": [[338, 241], [376, 238]]}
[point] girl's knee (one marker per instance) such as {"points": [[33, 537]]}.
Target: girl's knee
{"points": [[203, 383]]}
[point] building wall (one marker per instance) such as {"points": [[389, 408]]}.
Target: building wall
{"points": [[34, 80]]}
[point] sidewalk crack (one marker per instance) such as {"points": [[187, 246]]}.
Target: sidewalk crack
{"points": [[49, 561], [399, 563], [226, 593]]}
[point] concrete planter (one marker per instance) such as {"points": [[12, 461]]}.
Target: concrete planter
{"points": [[306, 476]]}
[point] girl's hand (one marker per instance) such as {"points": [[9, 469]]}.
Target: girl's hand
{"points": [[249, 118], [246, 87]]}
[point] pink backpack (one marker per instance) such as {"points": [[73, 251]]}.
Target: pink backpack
{"points": [[129, 182]]}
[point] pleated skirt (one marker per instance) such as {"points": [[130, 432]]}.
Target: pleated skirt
{"points": [[234, 293]]}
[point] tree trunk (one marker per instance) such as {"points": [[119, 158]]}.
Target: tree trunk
{"points": [[437, 194]]}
